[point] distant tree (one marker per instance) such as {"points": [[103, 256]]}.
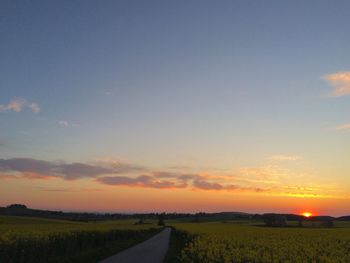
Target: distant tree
{"points": [[161, 219], [16, 206], [275, 220]]}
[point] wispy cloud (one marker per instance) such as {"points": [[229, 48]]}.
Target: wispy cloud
{"points": [[284, 157], [269, 173], [63, 123], [66, 124], [34, 107], [340, 81], [18, 105], [344, 127]]}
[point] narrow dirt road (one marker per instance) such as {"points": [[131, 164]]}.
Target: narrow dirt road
{"points": [[152, 250]]}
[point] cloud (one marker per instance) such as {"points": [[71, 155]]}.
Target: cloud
{"points": [[178, 181], [34, 107], [117, 173], [15, 105], [283, 157], [47, 189], [113, 172], [182, 177], [63, 123], [269, 172], [344, 127], [18, 105], [340, 82], [119, 166], [80, 170], [39, 169], [202, 184], [140, 181], [66, 124], [109, 171]]}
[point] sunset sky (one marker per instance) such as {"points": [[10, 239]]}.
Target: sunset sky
{"points": [[137, 106]]}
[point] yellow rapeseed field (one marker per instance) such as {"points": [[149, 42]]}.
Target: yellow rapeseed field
{"points": [[250, 242], [34, 240]]}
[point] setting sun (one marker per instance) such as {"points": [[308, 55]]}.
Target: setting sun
{"points": [[307, 214]]}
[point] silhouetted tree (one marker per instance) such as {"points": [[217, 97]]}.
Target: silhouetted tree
{"points": [[161, 219], [16, 206], [275, 220]]}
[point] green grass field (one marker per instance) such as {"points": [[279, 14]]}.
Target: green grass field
{"points": [[244, 241], [26, 239]]}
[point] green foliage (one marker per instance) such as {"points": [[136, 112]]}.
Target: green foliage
{"points": [[35, 240], [230, 242]]}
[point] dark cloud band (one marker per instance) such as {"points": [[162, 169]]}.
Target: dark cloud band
{"points": [[68, 171], [113, 173]]}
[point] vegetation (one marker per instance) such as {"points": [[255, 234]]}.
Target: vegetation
{"points": [[244, 241], [275, 220], [178, 240], [23, 210], [161, 219], [211, 238], [45, 240]]}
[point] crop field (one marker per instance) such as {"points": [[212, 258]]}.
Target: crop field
{"points": [[218, 242], [26, 239]]}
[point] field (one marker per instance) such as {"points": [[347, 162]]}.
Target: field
{"points": [[29, 240], [245, 241], [45, 240]]}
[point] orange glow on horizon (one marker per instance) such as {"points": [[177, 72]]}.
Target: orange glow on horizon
{"points": [[307, 214]]}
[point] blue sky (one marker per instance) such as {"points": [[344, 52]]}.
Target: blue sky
{"points": [[221, 84]]}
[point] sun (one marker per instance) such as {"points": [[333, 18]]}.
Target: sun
{"points": [[307, 214]]}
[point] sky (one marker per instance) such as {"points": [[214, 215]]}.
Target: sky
{"points": [[176, 106]]}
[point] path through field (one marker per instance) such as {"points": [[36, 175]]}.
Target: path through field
{"points": [[152, 250]]}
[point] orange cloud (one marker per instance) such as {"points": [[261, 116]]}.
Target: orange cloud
{"points": [[344, 127], [18, 105], [340, 82], [285, 157]]}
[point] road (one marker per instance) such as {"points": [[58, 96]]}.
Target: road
{"points": [[152, 250]]}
